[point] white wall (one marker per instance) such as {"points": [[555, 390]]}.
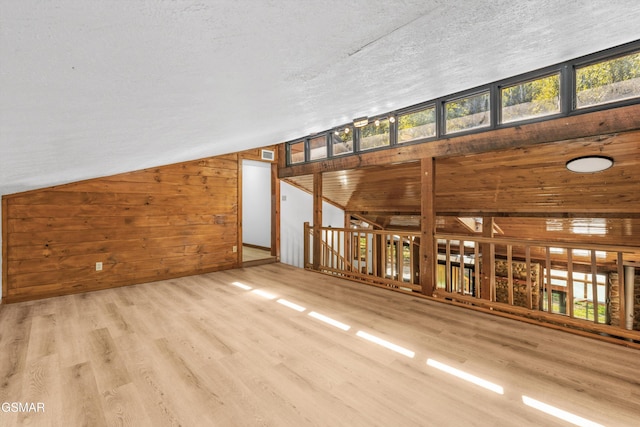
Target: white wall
{"points": [[296, 208], [256, 203]]}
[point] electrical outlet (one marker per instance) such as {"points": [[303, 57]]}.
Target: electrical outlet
{"points": [[235, 249], [98, 266]]}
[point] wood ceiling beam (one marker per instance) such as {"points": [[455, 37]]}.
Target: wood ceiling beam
{"points": [[301, 188], [366, 219], [386, 213], [547, 214], [573, 127]]}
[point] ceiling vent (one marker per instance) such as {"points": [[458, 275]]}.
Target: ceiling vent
{"points": [[268, 155]]}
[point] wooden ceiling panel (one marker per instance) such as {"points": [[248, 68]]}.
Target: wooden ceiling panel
{"points": [[379, 189], [531, 180], [615, 231], [375, 188], [535, 179]]}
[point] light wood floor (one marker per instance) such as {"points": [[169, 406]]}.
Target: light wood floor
{"points": [[200, 351], [253, 256]]}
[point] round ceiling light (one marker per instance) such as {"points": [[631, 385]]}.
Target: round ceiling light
{"points": [[589, 164]]}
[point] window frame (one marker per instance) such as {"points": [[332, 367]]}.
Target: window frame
{"points": [[567, 94], [308, 147], [481, 90], [339, 130], [531, 78], [304, 151], [596, 59], [416, 109], [358, 135]]}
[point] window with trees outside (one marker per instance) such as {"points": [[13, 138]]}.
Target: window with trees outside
{"points": [[467, 113], [531, 99], [342, 141], [417, 125], [608, 81], [593, 82], [374, 135]]}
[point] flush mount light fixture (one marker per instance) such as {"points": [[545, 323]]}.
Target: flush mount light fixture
{"points": [[361, 121], [589, 164]]}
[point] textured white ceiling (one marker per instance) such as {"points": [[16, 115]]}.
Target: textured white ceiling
{"points": [[93, 88]]}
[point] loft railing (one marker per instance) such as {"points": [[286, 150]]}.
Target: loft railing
{"points": [[576, 280], [373, 256], [578, 284]]}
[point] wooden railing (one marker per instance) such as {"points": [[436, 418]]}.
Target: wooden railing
{"points": [[546, 280], [374, 256]]}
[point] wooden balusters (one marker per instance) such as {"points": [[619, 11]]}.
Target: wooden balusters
{"points": [[379, 257], [529, 282], [570, 282], [510, 273], [594, 286], [622, 296], [547, 282]]}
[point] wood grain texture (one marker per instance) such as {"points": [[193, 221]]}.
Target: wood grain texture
{"points": [[256, 154], [518, 181], [275, 212], [240, 197], [5, 245], [428, 246], [152, 224], [564, 129], [317, 218], [199, 351]]}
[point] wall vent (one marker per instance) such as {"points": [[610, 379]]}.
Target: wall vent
{"points": [[268, 155]]}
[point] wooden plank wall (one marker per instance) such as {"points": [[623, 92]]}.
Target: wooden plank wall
{"points": [[148, 225]]}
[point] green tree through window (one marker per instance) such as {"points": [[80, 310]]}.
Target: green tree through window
{"points": [[608, 81], [530, 99]]}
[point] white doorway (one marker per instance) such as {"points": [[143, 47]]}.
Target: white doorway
{"points": [[256, 211]]}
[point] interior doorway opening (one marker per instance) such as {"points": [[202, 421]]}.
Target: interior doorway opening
{"points": [[256, 213]]}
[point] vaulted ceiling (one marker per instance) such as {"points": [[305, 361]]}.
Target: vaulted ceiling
{"points": [[95, 88]]}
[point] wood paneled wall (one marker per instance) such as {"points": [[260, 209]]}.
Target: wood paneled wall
{"points": [[148, 225]]}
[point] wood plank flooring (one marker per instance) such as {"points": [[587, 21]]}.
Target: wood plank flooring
{"points": [[250, 253], [253, 256], [200, 351]]}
